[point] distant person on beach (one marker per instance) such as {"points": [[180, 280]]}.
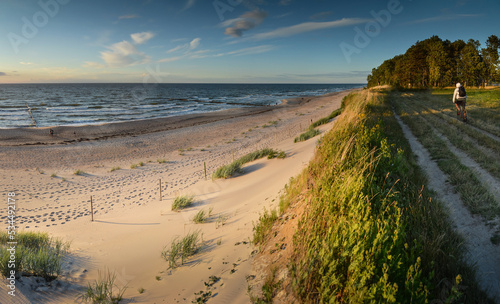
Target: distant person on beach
{"points": [[460, 99]]}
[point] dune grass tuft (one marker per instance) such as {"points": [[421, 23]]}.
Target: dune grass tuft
{"points": [[307, 135], [36, 254], [235, 167], [78, 172], [181, 202], [104, 289], [182, 249]]}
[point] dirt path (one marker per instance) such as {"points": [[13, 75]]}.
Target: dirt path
{"points": [[481, 252]]}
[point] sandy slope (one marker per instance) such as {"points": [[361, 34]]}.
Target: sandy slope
{"points": [[132, 225]]}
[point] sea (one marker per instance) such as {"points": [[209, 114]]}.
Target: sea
{"points": [[24, 105]]}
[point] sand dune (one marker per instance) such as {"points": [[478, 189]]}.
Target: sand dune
{"points": [[132, 225]]}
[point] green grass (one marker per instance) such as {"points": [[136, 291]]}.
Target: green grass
{"points": [[264, 225], [371, 232], [103, 289], [78, 172], [472, 191], [182, 202], [53, 175], [307, 135], [161, 161], [235, 167], [114, 169], [200, 217], [36, 254], [182, 249]]}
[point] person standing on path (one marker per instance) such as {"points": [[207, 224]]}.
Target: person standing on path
{"points": [[460, 99]]}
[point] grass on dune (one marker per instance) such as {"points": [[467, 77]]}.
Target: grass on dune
{"points": [[36, 254], [370, 231], [235, 167], [182, 202], [181, 249], [103, 289]]}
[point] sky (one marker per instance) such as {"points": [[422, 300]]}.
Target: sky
{"points": [[223, 41]]}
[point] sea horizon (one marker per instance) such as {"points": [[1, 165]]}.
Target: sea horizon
{"points": [[77, 104]]}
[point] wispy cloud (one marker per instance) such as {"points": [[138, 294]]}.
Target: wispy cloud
{"points": [[194, 44], [285, 2], [26, 63], [252, 50], [132, 16], [186, 47], [211, 54], [446, 17], [185, 50], [3, 74], [319, 16], [189, 4], [307, 27], [141, 38], [124, 53], [245, 22]]}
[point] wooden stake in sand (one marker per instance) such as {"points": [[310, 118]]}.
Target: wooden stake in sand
{"points": [[205, 166], [160, 190], [91, 209]]}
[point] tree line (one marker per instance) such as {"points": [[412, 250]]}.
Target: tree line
{"points": [[439, 63]]}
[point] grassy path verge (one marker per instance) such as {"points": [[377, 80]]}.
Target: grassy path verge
{"points": [[369, 230]]}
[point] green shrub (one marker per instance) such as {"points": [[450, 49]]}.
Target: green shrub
{"points": [[307, 135], [182, 202]]}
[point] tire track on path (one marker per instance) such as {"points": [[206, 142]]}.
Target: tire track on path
{"points": [[481, 252]]}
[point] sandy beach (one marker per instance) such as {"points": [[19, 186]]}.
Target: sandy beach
{"points": [[132, 223]]}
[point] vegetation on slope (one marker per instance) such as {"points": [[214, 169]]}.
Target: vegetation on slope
{"points": [[371, 232]]}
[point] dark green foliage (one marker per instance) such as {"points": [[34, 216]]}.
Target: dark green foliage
{"points": [[437, 63]]}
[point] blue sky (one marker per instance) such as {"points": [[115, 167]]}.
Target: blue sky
{"points": [[223, 41]]}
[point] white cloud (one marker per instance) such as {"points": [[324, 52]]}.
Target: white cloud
{"points": [[123, 54], [195, 43], [177, 48], [26, 63], [307, 27], [252, 50], [141, 38], [245, 22]]}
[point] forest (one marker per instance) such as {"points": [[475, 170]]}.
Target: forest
{"points": [[440, 63]]}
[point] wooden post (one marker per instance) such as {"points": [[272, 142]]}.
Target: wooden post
{"points": [[160, 190], [205, 166], [91, 209]]}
